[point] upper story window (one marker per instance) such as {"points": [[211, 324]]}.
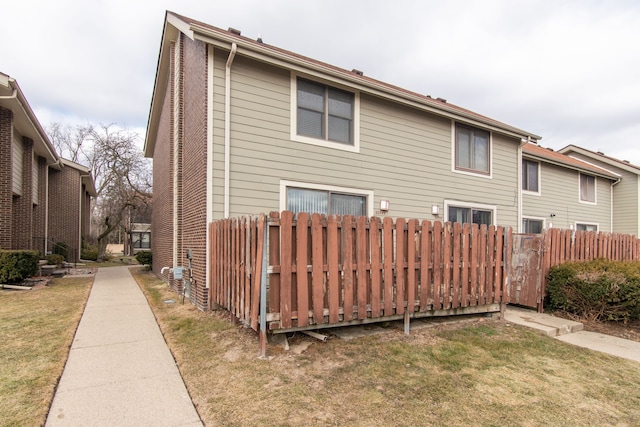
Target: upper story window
{"points": [[325, 112], [587, 188], [530, 176], [324, 115], [472, 149]]}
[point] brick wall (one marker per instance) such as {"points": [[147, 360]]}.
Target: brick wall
{"points": [[190, 161], [40, 209], [194, 194], [64, 206], [23, 205], [178, 155], [85, 226], [6, 203], [162, 213]]}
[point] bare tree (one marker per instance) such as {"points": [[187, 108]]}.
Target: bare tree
{"points": [[68, 141], [122, 175]]}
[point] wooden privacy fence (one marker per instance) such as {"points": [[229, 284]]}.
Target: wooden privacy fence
{"points": [[331, 271], [582, 246], [534, 255]]}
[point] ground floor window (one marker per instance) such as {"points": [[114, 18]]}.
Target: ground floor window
{"points": [[586, 227], [323, 199], [532, 226], [141, 240], [469, 213]]}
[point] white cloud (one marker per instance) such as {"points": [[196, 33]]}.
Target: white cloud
{"points": [[564, 70]]}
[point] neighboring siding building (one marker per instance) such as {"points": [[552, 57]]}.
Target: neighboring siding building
{"points": [[626, 193], [563, 192], [241, 127], [44, 199]]}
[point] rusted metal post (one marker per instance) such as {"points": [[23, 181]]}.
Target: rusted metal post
{"points": [[407, 324]]}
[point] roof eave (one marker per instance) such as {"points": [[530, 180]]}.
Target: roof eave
{"points": [[169, 34], [569, 166], [27, 123], [608, 160]]}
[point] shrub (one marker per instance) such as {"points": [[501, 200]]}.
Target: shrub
{"points": [[89, 253], [55, 259], [597, 290], [61, 248], [16, 266], [144, 258], [108, 256]]}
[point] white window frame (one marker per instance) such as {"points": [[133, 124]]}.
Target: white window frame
{"points": [[529, 192], [284, 184], [534, 218], [478, 174], [575, 225], [471, 205], [595, 190], [355, 148]]}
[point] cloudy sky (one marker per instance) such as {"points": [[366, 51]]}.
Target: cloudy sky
{"points": [[566, 70]]}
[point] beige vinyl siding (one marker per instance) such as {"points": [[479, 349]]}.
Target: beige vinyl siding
{"points": [[405, 154], [625, 204], [626, 201], [559, 194], [18, 163]]}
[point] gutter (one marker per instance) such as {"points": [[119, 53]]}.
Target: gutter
{"points": [[13, 95], [19, 97], [227, 126]]}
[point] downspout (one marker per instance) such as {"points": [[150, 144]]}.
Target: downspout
{"points": [[209, 172], [227, 126], [519, 180], [613, 184]]}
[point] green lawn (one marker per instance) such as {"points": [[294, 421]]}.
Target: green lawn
{"points": [[37, 328], [484, 373]]}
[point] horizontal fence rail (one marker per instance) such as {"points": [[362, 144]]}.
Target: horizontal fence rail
{"points": [[330, 271]]}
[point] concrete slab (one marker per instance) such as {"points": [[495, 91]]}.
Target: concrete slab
{"points": [[351, 332], [549, 325], [604, 343], [120, 370]]}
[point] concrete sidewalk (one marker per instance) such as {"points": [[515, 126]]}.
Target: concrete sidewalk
{"points": [[572, 332], [120, 370]]}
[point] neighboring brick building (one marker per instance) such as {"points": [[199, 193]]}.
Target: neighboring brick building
{"points": [[70, 192], [44, 199]]}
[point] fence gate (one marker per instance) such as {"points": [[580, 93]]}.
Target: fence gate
{"points": [[526, 273]]}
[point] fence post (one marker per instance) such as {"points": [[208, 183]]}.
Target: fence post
{"points": [[263, 287]]}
